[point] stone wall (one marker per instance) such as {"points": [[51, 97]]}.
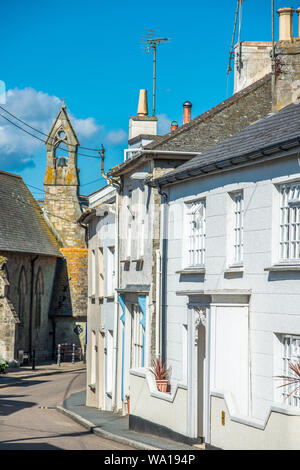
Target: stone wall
{"points": [[63, 209], [287, 87], [25, 335]]}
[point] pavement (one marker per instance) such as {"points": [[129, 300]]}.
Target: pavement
{"points": [[105, 424]]}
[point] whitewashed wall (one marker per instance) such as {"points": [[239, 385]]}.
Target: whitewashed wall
{"points": [[275, 297]]}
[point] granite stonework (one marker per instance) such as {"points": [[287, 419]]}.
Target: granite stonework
{"points": [[62, 208]]}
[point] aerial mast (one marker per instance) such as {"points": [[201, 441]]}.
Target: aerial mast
{"points": [[151, 41]]}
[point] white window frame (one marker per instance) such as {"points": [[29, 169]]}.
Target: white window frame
{"points": [[93, 272], [195, 233], [290, 352], [237, 228], [289, 222], [110, 279], [127, 228], [141, 224], [137, 334], [100, 272]]}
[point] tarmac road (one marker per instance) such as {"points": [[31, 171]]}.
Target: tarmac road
{"points": [[29, 420]]}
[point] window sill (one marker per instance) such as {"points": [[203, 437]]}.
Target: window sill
{"points": [[283, 268], [191, 271], [234, 268], [92, 387]]}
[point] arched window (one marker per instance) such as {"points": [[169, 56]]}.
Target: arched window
{"points": [[22, 290], [39, 290], [5, 276]]}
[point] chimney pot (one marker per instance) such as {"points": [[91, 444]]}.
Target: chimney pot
{"points": [[285, 23], [143, 104], [187, 106], [174, 125], [298, 13]]}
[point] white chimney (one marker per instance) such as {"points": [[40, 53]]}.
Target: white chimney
{"points": [[142, 124]]}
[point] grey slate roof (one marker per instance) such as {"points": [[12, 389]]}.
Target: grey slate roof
{"points": [[22, 226], [271, 134], [161, 140]]}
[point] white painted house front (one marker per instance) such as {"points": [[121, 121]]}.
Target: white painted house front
{"points": [[231, 316], [100, 220]]}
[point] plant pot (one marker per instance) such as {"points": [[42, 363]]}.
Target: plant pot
{"points": [[162, 385]]}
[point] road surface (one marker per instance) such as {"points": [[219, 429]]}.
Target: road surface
{"points": [[29, 420]]}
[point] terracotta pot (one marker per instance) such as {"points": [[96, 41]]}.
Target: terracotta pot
{"points": [[162, 385]]}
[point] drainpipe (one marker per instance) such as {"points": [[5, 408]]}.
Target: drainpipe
{"points": [[116, 307], [163, 250], [158, 310], [32, 261]]}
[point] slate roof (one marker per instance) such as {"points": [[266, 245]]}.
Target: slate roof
{"points": [[159, 141], [269, 135], [22, 226]]}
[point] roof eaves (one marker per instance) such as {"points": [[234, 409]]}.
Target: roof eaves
{"points": [[230, 161]]}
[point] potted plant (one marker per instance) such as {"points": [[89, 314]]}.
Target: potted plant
{"points": [[160, 373], [293, 379], [3, 366]]}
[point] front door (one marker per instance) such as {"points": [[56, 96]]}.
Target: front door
{"points": [[201, 379]]}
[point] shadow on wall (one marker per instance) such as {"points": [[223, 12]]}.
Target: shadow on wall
{"points": [[61, 299]]}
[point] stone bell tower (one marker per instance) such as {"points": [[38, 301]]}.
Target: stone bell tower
{"points": [[62, 208], [61, 182]]}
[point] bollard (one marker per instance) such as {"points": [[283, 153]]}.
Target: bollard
{"points": [[33, 359], [73, 354], [58, 354]]}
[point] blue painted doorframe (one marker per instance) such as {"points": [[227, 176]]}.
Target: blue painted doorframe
{"points": [[142, 305], [122, 318]]}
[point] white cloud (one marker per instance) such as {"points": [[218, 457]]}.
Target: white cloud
{"points": [[39, 110], [163, 124], [116, 137]]}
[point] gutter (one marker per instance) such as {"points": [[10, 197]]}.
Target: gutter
{"points": [[142, 151], [222, 164]]}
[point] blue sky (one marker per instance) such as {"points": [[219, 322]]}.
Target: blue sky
{"points": [[90, 53]]}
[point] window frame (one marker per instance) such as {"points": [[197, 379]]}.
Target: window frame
{"points": [[237, 213], [289, 219], [287, 356], [194, 257]]}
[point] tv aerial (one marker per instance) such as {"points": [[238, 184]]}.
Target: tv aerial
{"points": [[151, 40]]}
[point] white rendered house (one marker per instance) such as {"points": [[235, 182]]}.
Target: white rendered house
{"points": [[231, 317], [102, 276]]}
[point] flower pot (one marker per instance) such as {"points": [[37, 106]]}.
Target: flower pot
{"points": [[162, 385]]}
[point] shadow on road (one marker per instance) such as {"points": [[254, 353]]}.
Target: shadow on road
{"points": [[25, 446], [8, 406]]}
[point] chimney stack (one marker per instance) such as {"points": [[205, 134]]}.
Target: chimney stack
{"points": [[143, 104], [142, 124], [174, 125], [187, 106], [286, 23], [298, 13]]}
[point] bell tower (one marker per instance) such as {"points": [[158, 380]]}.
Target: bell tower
{"points": [[61, 182], [62, 209]]}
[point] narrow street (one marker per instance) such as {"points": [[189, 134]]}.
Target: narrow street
{"points": [[29, 420]]}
